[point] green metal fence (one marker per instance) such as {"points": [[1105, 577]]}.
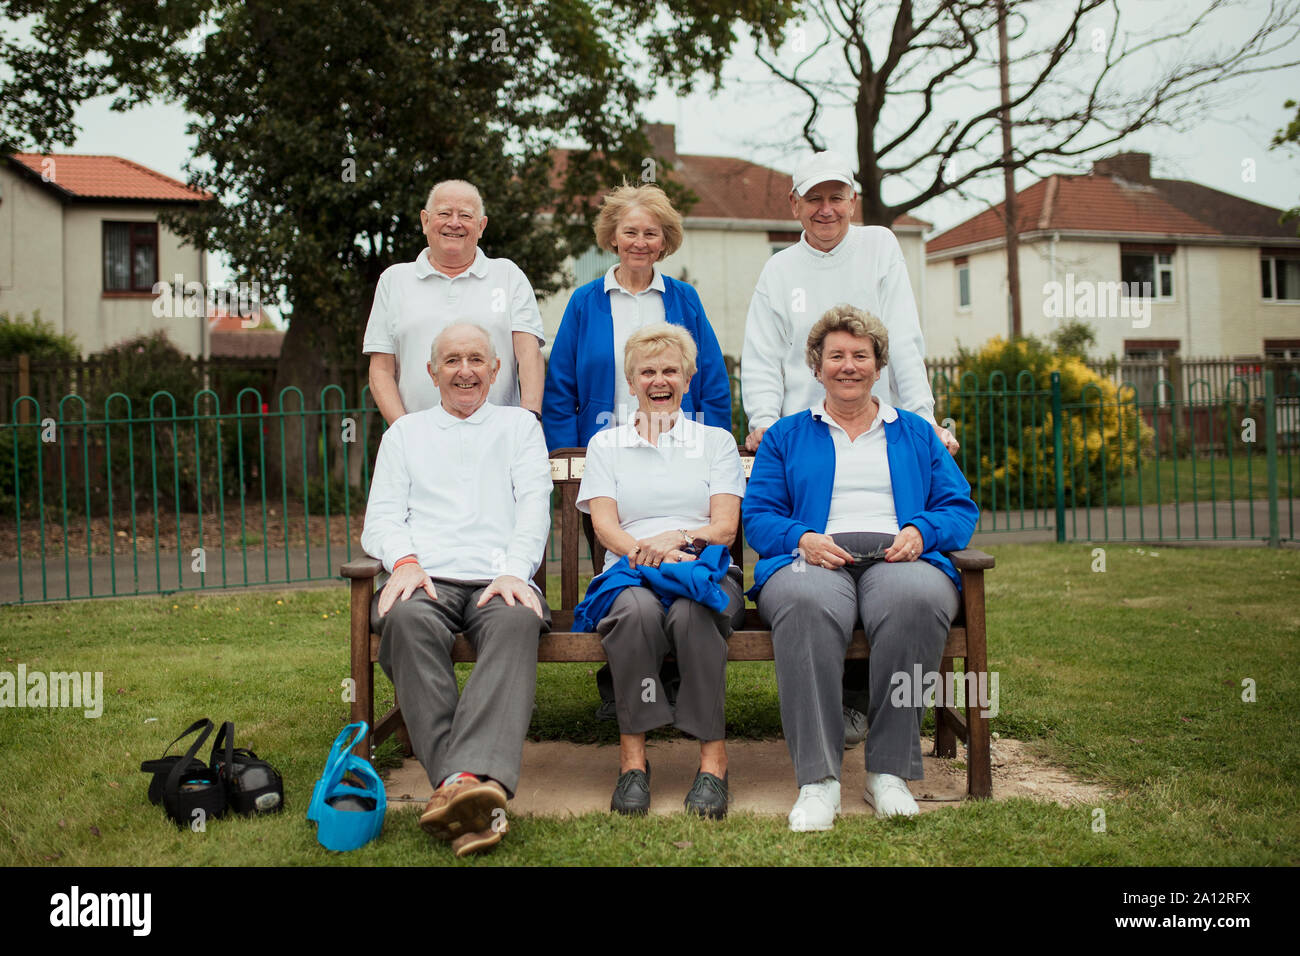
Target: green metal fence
{"points": [[1114, 465], [169, 497]]}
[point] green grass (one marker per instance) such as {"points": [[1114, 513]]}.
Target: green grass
{"points": [[1131, 678]]}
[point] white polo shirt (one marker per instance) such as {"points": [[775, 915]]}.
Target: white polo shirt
{"points": [[471, 498], [665, 486], [630, 311], [414, 302], [862, 496]]}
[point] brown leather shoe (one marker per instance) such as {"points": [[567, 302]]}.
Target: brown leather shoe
{"points": [[466, 806], [468, 843]]}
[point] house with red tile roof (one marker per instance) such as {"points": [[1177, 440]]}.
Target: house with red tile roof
{"points": [[1155, 266], [741, 218], [80, 243]]}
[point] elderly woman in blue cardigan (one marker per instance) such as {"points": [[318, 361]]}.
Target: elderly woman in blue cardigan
{"points": [[850, 507], [586, 390]]}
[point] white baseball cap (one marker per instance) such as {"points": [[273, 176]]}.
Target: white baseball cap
{"points": [[824, 167]]}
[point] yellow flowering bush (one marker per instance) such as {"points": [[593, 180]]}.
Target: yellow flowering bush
{"points": [[1001, 412]]}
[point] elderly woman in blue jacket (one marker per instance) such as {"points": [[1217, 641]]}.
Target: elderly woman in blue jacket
{"points": [[850, 506], [586, 390]]}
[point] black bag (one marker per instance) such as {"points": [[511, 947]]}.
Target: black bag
{"points": [[183, 784], [252, 785]]}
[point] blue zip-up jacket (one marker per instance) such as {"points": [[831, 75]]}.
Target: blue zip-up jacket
{"points": [[789, 491], [577, 402], [697, 580]]}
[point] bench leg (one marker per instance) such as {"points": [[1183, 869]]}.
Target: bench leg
{"points": [[363, 674], [945, 738], [979, 772]]}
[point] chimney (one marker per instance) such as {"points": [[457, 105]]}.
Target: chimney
{"points": [[663, 139], [1134, 167]]}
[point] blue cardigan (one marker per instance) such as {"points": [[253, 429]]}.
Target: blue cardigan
{"points": [[577, 402], [697, 580], [789, 491]]}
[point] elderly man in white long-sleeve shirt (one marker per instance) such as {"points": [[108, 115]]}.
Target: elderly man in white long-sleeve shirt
{"points": [[459, 512], [833, 263]]}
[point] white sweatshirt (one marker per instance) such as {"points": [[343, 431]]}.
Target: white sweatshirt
{"points": [[795, 288]]}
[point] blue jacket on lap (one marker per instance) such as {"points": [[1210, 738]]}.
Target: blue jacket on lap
{"points": [[697, 580], [789, 491]]}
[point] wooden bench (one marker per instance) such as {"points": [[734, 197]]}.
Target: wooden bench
{"points": [[966, 638]]}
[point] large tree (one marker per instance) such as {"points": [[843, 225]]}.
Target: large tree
{"points": [[920, 80], [320, 126]]}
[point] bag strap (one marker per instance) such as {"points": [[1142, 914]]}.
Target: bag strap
{"points": [[182, 766], [225, 735], [189, 730], [341, 751]]}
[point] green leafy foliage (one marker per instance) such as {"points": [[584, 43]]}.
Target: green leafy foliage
{"points": [[37, 339], [1003, 418]]}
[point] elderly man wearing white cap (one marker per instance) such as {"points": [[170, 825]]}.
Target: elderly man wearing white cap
{"points": [[833, 263]]}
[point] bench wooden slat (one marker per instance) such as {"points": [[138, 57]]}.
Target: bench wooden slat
{"points": [[573, 646]]}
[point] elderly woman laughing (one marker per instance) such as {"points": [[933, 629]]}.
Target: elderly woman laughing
{"points": [[850, 506], [664, 493]]}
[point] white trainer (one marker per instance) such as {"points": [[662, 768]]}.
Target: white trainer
{"points": [[817, 807], [889, 797]]}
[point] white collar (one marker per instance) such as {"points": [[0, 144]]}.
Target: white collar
{"points": [[656, 282], [424, 268], [840, 246], [887, 413], [681, 433], [445, 419]]}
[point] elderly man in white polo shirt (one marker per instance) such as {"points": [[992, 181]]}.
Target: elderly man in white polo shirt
{"points": [[833, 263], [452, 281], [459, 512]]}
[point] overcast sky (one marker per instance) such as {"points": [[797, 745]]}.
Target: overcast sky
{"points": [[751, 115]]}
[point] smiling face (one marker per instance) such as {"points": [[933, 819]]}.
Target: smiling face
{"points": [[848, 370], [638, 240], [658, 380], [825, 211], [464, 369], [452, 225]]}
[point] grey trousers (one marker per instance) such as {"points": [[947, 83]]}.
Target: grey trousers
{"points": [[482, 731], [637, 634], [905, 609]]}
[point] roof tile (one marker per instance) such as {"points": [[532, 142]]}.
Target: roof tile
{"points": [[109, 177]]}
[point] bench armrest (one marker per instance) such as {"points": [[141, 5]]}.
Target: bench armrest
{"points": [[971, 559], [362, 568]]}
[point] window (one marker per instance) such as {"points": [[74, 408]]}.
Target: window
{"points": [[777, 241], [963, 282], [130, 256], [1150, 350], [1147, 271], [1280, 276]]}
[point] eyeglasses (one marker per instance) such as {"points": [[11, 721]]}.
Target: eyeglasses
{"points": [[877, 555]]}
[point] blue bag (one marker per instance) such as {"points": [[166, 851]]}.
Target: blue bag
{"points": [[346, 816]]}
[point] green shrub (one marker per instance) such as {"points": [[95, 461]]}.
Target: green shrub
{"points": [[1008, 453], [36, 338]]}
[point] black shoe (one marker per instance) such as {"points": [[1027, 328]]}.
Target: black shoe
{"points": [[632, 793], [607, 711], [708, 796]]}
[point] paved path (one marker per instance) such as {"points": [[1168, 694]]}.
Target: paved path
{"points": [[560, 779]]}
